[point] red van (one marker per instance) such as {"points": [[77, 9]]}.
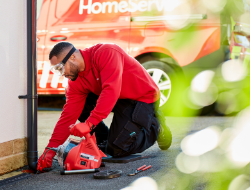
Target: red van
{"points": [[163, 35]]}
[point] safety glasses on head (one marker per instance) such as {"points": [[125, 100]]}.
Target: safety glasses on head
{"points": [[58, 69]]}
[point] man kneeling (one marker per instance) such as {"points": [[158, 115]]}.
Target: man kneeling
{"points": [[104, 79]]}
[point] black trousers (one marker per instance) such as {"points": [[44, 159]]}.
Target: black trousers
{"points": [[134, 127]]}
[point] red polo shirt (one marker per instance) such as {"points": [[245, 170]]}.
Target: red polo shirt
{"points": [[110, 73]]}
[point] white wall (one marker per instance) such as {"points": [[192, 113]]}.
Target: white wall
{"points": [[13, 69]]}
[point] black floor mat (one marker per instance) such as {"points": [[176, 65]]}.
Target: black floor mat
{"points": [[125, 159]]}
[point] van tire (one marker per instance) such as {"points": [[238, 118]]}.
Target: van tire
{"points": [[175, 76]]}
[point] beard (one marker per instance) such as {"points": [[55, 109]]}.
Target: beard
{"points": [[74, 77], [74, 70]]}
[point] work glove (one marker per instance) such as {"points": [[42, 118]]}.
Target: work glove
{"points": [[45, 161], [80, 129]]}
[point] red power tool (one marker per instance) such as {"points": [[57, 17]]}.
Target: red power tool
{"points": [[83, 155]]}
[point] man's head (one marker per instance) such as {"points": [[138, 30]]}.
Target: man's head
{"points": [[69, 67]]}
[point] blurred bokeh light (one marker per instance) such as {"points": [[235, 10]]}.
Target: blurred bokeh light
{"points": [[201, 142], [187, 164], [201, 82], [214, 5], [241, 182], [180, 8], [203, 92], [145, 183], [240, 145], [233, 70]]}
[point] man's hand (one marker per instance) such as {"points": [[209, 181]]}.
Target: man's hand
{"points": [[45, 161], [80, 129]]}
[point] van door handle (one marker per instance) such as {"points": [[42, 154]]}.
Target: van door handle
{"points": [[58, 38]]}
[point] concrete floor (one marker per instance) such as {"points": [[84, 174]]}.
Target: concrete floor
{"points": [[163, 169], [46, 123]]}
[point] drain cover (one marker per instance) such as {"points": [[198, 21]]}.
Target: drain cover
{"points": [[108, 174]]}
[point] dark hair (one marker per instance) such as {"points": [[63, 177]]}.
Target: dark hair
{"points": [[59, 48]]}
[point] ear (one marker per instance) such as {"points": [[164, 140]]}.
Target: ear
{"points": [[73, 57]]}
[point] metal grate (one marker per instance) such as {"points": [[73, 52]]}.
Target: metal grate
{"points": [[15, 179]]}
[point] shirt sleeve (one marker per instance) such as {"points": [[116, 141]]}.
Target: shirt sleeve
{"points": [[110, 63], [75, 100]]}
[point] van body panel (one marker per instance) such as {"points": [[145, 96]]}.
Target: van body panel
{"points": [[185, 32]]}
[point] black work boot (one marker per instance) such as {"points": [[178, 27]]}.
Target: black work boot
{"points": [[103, 146], [165, 136]]}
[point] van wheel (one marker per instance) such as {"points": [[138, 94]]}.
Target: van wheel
{"points": [[169, 82]]}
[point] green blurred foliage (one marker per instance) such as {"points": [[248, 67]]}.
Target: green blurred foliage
{"points": [[233, 8], [233, 97], [185, 36], [232, 94]]}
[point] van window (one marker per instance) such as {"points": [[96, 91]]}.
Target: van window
{"points": [[241, 40], [39, 6]]}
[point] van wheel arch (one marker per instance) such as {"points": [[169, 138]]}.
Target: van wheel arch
{"points": [[171, 75]]}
